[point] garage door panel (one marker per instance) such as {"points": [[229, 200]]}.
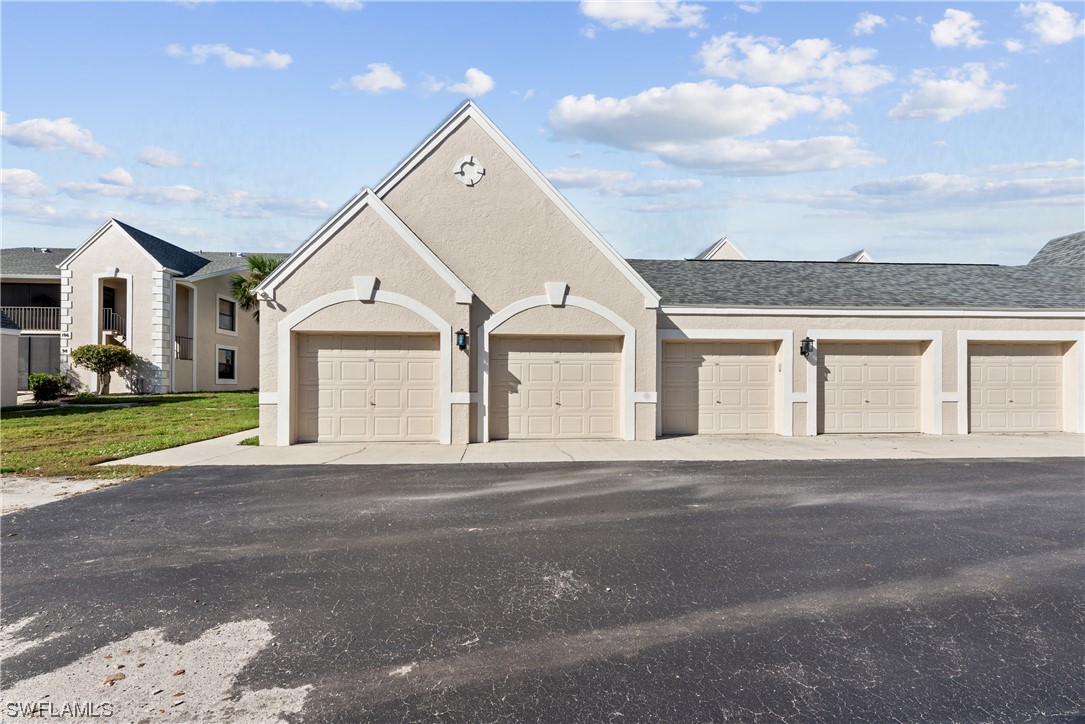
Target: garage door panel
{"points": [[570, 389], [869, 387], [726, 387], [354, 388], [1015, 387]]}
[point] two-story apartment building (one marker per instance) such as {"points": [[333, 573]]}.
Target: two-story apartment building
{"points": [[172, 307]]}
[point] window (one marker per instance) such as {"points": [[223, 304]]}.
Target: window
{"points": [[227, 315], [227, 365]]}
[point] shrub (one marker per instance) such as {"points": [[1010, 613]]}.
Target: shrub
{"points": [[102, 359], [86, 397], [48, 387]]}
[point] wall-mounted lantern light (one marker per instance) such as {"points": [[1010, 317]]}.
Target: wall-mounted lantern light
{"points": [[461, 339], [806, 346]]}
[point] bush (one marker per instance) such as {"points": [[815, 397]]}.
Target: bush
{"points": [[86, 397], [102, 359], [48, 387]]}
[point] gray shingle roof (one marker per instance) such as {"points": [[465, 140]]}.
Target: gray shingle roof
{"points": [[800, 284], [222, 261], [31, 260], [1064, 251], [853, 256], [165, 253], [7, 322]]}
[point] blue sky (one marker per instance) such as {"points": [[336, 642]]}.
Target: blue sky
{"points": [[919, 131]]}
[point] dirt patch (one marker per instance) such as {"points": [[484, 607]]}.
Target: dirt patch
{"points": [[18, 493]]}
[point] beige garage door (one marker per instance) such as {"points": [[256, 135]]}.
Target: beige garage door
{"points": [[718, 387], [358, 388], [869, 387], [544, 388], [1015, 387]]}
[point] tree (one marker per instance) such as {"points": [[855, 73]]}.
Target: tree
{"points": [[102, 359], [243, 285]]}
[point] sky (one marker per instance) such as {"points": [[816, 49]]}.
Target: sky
{"points": [[921, 132]]}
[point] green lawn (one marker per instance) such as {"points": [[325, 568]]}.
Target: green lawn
{"points": [[69, 441]]}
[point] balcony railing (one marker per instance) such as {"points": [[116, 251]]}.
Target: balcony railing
{"points": [[112, 322], [183, 347], [34, 318]]}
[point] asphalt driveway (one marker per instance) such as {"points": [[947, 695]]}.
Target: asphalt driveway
{"points": [[733, 591]]}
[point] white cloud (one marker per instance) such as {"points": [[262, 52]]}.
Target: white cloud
{"points": [[660, 187], [646, 15], [967, 89], [957, 28], [21, 182], [231, 58], [752, 8], [117, 177], [815, 63], [475, 84], [1053, 25], [936, 191], [682, 113], [381, 77], [1014, 46], [694, 125], [47, 134], [740, 157], [163, 158], [243, 204], [571, 177], [613, 182], [346, 6], [1026, 166], [867, 23]]}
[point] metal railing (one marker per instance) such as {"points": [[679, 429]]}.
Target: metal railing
{"points": [[36, 318], [112, 322], [183, 347]]}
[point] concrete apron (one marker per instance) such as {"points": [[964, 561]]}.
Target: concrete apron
{"points": [[226, 451]]}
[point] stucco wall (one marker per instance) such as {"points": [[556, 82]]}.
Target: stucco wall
{"points": [[9, 365], [207, 336], [366, 246], [82, 307], [947, 327], [504, 238]]}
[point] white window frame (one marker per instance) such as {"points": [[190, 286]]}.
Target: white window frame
{"points": [[237, 315], [221, 380]]}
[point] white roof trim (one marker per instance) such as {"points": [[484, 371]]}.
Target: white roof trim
{"points": [[470, 110], [867, 312], [43, 277], [96, 235], [366, 197], [711, 251]]}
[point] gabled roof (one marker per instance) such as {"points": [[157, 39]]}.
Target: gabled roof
{"points": [[827, 285], [165, 253], [366, 197], [469, 110], [181, 262], [862, 256], [1066, 250], [32, 261], [723, 249]]}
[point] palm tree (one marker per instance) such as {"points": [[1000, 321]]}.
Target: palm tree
{"points": [[243, 285]]}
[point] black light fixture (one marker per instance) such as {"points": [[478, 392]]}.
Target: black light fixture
{"points": [[806, 346], [461, 339]]}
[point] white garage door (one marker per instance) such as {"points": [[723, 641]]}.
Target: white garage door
{"points": [[358, 388], [718, 387], [869, 387], [1015, 387], [544, 388]]}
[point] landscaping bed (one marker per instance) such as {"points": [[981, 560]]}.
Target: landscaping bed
{"points": [[70, 440]]}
